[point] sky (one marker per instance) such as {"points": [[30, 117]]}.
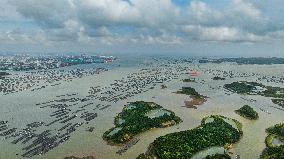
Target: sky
{"points": [[191, 27]]}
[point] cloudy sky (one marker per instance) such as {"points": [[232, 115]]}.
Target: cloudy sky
{"points": [[192, 27]]}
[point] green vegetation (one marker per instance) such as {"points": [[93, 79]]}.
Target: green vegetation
{"points": [[197, 99], [253, 88], [189, 91], [273, 151], [269, 140], [218, 156], [136, 118], [143, 156], [243, 87], [218, 78], [247, 112], [275, 92], [277, 129], [279, 102], [185, 144]]}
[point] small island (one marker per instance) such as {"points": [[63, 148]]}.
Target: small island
{"points": [[196, 100], [276, 93], [274, 142], [244, 87], [189, 91], [247, 112], [214, 131], [138, 117], [254, 88]]}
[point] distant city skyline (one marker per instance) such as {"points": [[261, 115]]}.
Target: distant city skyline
{"points": [[187, 27]]}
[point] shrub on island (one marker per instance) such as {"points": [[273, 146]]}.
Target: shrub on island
{"points": [[254, 88], [247, 112], [189, 91], [196, 100], [243, 87], [279, 102], [273, 153], [277, 129]]}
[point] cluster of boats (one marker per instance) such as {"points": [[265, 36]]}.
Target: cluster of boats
{"points": [[37, 80]]}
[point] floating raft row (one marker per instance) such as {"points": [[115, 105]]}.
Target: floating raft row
{"points": [[102, 108], [35, 124], [54, 121], [68, 119], [3, 127], [88, 116], [65, 126], [44, 142], [3, 122], [8, 132], [23, 136]]}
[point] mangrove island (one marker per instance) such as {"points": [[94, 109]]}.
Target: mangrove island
{"points": [[254, 88], [197, 99], [214, 131], [247, 112], [138, 117], [274, 142]]}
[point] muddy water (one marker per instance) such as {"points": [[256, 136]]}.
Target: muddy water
{"points": [[21, 107]]}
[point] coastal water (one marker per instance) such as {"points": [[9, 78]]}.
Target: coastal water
{"points": [[20, 109]]}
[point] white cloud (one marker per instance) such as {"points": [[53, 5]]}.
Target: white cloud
{"points": [[201, 13], [220, 33], [226, 34], [20, 37], [246, 9], [139, 21], [104, 12], [140, 13], [46, 13]]}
